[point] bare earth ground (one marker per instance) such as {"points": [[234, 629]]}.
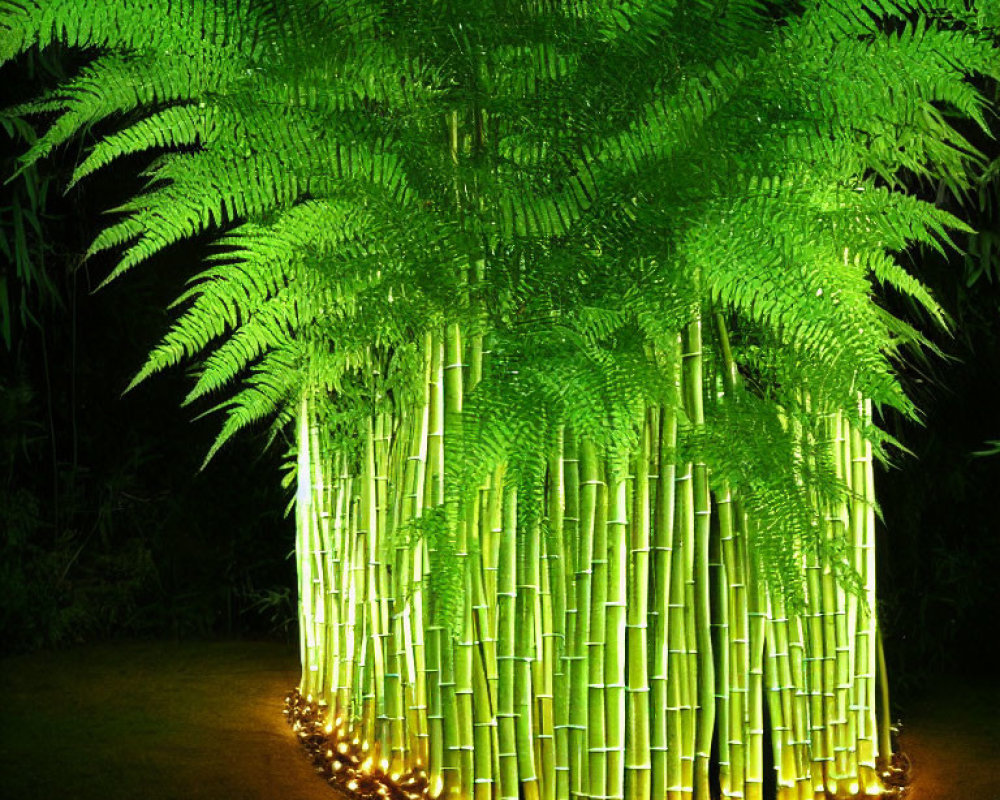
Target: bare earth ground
{"points": [[154, 721], [952, 738], [202, 721]]}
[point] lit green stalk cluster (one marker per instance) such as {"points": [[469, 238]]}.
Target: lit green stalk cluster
{"points": [[605, 656]]}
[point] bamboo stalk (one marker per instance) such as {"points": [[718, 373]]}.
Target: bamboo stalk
{"points": [[681, 689], [524, 650], [434, 497], [757, 615], [559, 588], [867, 624], [638, 757], [722, 635], [597, 752], [660, 613], [507, 627], [694, 402], [375, 589], [580, 667], [304, 520]]}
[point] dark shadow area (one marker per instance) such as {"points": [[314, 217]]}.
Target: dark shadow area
{"points": [[162, 721], [107, 527]]}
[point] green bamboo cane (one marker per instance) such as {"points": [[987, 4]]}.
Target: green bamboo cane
{"points": [[418, 495], [745, 743], [587, 491], [483, 616], [543, 668], [597, 739], [815, 657], [507, 628], [694, 402], [304, 521], [391, 745], [349, 592], [434, 497], [799, 679], [452, 767], [559, 588], [851, 607], [638, 758], [791, 645], [403, 475], [323, 470], [615, 652], [456, 683], [779, 712], [819, 623], [720, 569], [524, 649], [663, 745], [465, 653], [787, 695], [844, 750], [357, 598], [342, 576], [485, 722], [829, 605], [484, 701], [865, 697], [375, 589], [318, 536], [492, 531], [738, 642], [757, 616], [680, 687], [403, 478]]}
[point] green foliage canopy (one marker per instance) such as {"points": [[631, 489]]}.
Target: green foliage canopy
{"points": [[577, 181]]}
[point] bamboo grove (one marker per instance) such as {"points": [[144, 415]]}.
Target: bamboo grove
{"points": [[568, 315], [601, 656]]}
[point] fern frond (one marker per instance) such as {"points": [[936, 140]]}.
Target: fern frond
{"points": [[274, 382], [122, 24]]}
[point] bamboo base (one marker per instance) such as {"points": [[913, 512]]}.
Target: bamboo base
{"points": [[351, 765], [344, 760]]}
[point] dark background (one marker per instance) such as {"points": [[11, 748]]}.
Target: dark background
{"points": [[108, 529]]}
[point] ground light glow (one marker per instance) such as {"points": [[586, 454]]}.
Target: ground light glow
{"points": [[343, 760]]}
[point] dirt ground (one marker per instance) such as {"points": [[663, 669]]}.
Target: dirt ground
{"points": [[154, 721], [952, 739], [203, 721]]}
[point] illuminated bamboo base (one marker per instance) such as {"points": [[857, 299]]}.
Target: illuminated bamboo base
{"points": [[347, 763], [344, 760]]}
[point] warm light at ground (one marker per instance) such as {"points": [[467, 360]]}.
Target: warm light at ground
{"points": [[351, 764]]}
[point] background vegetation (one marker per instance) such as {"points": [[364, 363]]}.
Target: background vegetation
{"points": [[106, 527]]}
